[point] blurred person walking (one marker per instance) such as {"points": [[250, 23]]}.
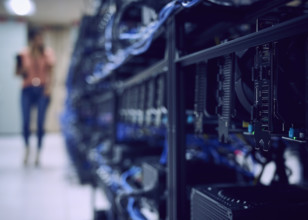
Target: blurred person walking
{"points": [[34, 65]]}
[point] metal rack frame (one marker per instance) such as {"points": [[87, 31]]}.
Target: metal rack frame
{"points": [[173, 65], [176, 129]]}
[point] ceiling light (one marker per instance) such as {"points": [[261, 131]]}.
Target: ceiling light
{"points": [[20, 7]]}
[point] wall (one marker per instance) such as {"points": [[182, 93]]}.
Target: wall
{"points": [[13, 37], [60, 40]]}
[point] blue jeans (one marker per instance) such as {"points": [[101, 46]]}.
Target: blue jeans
{"points": [[30, 97]]}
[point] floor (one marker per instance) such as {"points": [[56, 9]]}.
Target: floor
{"points": [[49, 192]]}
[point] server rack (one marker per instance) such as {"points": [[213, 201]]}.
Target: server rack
{"points": [[177, 57]]}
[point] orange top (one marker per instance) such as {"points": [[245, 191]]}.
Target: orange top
{"points": [[36, 68]]}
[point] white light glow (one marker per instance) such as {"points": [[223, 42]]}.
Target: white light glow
{"points": [[20, 7]]}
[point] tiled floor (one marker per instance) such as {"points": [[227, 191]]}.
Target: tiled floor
{"points": [[48, 192]]}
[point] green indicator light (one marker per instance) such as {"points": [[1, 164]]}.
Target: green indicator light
{"points": [[253, 133], [294, 138]]}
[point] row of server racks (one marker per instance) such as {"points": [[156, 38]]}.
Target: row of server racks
{"points": [[192, 109]]}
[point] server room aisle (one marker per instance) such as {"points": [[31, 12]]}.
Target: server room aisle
{"points": [[49, 192]]}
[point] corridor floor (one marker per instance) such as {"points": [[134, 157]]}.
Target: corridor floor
{"points": [[48, 192]]}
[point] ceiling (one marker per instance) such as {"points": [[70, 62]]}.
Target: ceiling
{"points": [[53, 12]]}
